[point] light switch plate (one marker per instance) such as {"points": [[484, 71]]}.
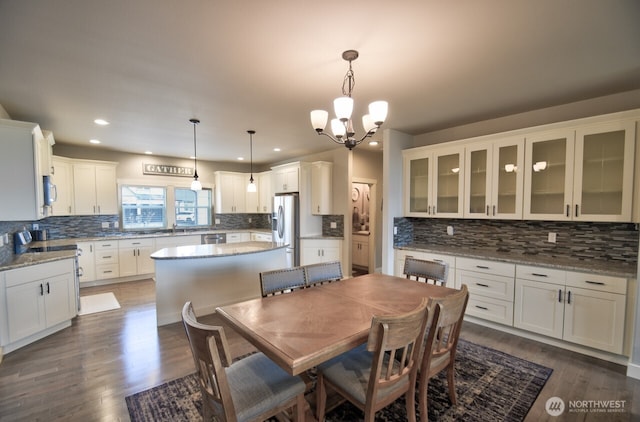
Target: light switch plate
{"points": [[334, 225], [105, 224], [116, 224], [552, 237]]}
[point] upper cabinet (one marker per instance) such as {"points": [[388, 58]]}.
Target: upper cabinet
{"points": [[581, 170], [286, 178], [231, 192], [62, 178], [265, 196], [95, 189], [494, 179], [321, 192], [433, 182], [23, 163], [582, 175]]}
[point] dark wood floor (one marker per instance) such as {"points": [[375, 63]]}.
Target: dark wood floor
{"points": [[84, 372]]}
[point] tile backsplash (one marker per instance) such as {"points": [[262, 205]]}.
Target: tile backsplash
{"points": [[574, 240]]}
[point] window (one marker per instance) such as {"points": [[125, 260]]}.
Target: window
{"points": [[143, 207], [193, 208]]}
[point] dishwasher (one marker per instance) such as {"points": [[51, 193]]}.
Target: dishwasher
{"points": [[214, 239]]}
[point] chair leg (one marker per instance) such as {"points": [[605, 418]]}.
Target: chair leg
{"points": [[410, 399], [321, 398], [451, 380], [298, 415], [422, 403]]}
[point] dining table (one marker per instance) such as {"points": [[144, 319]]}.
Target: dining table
{"points": [[304, 328]]}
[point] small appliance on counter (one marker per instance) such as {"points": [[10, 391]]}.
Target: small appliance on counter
{"points": [[40, 235], [50, 191], [21, 240]]}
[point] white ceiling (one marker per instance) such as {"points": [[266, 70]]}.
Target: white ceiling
{"points": [[147, 66]]}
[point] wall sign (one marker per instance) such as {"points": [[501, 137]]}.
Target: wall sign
{"points": [[167, 170]]}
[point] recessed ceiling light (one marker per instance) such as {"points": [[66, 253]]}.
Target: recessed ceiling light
{"points": [[192, 157], [373, 143], [148, 152], [101, 122], [276, 149], [94, 141]]}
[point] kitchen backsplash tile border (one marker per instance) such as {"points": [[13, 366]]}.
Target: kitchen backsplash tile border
{"points": [[604, 242]]}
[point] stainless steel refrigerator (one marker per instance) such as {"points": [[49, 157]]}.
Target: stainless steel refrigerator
{"points": [[286, 225]]}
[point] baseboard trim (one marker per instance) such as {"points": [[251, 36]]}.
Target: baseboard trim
{"points": [[633, 370]]}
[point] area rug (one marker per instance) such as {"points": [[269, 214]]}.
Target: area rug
{"points": [[491, 386], [98, 303]]}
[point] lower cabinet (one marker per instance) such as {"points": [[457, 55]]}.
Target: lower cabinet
{"points": [[86, 261], [581, 308], [261, 237], [106, 259], [134, 257], [238, 237], [360, 250], [491, 288], [314, 251], [38, 297]]}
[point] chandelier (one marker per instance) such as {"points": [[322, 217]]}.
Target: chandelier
{"points": [[341, 126]]}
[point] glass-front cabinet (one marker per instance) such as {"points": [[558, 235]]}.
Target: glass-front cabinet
{"points": [[603, 181], [582, 175], [433, 182], [494, 179], [548, 184]]}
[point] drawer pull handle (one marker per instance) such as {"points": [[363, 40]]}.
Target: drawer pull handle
{"points": [[597, 283], [108, 271], [559, 295], [482, 285], [482, 307], [569, 297], [107, 256], [539, 275], [482, 267]]}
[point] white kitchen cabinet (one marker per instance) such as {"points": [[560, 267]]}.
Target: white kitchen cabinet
{"points": [[491, 288], [434, 182], [95, 189], [24, 149], [494, 179], [360, 250], [231, 192], [134, 257], [314, 251], [286, 178], [265, 195], [237, 237], [62, 178], [40, 297], [261, 237], [106, 259], [321, 188], [86, 261], [581, 308], [582, 174]]}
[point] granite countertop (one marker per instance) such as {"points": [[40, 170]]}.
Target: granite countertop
{"points": [[616, 269], [213, 251], [28, 259]]}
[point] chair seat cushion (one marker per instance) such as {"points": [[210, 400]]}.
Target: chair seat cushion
{"points": [[350, 371], [258, 384]]}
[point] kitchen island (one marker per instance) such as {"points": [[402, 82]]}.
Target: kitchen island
{"points": [[210, 275]]}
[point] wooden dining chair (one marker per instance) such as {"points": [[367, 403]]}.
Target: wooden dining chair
{"points": [[251, 389], [323, 272], [435, 272], [284, 280], [439, 353], [367, 376]]}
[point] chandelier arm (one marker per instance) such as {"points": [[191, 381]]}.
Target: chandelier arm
{"points": [[337, 141], [367, 135]]}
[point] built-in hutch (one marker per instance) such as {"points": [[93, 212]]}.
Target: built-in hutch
{"points": [[581, 170]]}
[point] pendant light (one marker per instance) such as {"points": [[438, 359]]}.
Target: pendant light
{"points": [[251, 187], [195, 185]]}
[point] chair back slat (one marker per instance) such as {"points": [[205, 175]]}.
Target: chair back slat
{"points": [[431, 271], [324, 272], [281, 281]]}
